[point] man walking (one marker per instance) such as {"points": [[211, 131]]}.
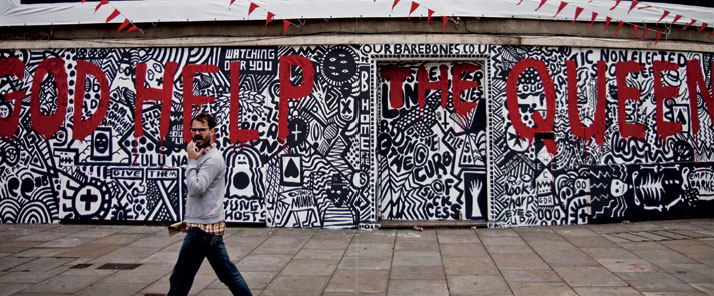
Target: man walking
{"points": [[205, 216]]}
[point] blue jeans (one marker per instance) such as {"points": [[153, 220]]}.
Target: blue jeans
{"points": [[196, 246]]}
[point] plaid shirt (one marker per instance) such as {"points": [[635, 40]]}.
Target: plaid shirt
{"points": [[217, 229]]}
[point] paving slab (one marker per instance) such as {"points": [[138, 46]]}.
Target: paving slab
{"points": [[567, 258], [628, 265], [359, 281], [369, 250], [263, 262], [544, 275], [609, 253], [419, 273], [315, 267], [477, 285], [469, 250], [416, 258], [655, 282], [588, 276], [519, 261], [110, 289], [296, 285], [63, 284], [541, 288], [416, 245], [321, 254], [470, 266], [365, 263], [467, 238], [418, 287], [599, 291]]}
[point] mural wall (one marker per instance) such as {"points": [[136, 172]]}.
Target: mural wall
{"points": [[338, 136]]}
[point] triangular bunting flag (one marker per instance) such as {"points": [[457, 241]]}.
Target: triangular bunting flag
{"points": [[634, 32], [607, 23], [619, 27], [428, 18], [123, 25], [229, 5], [541, 4], [666, 12], [444, 20], [658, 35], [634, 3], [286, 24], [112, 16], [704, 26], [688, 25], [577, 13], [676, 18], [563, 4], [395, 4], [101, 4], [252, 7], [592, 21], [644, 33], [710, 34], [83, 1], [269, 18], [414, 7], [616, 4], [133, 28], [519, 2]]}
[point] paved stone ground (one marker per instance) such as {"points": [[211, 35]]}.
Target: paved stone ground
{"points": [[673, 257]]}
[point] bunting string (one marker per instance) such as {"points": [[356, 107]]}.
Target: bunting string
{"points": [[115, 13]]}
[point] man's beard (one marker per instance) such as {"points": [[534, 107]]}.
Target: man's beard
{"points": [[204, 142]]}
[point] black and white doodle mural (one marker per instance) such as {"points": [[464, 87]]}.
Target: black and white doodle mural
{"points": [[341, 136]]}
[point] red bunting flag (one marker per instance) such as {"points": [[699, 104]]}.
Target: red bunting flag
{"points": [[616, 4], [269, 18], [229, 5], [676, 18], [704, 26], [688, 25], [133, 28], [123, 25], [619, 26], [607, 23], [444, 20], [414, 7], [428, 18], [541, 4], [658, 35], [252, 7], [519, 2], [666, 12], [83, 1], [634, 33], [710, 34], [395, 4], [577, 13], [563, 4], [286, 24], [644, 33], [101, 4], [593, 20], [112, 16], [634, 3]]}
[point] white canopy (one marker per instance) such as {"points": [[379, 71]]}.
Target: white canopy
{"points": [[13, 13]]}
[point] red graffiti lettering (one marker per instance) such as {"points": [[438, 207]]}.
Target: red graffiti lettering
{"points": [[696, 85], [48, 125], [82, 128], [514, 114], [9, 124], [189, 99], [661, 93], [162, 95], [624, 94], [237, 134], [290, 91], [597, 128], [423, 84], [396, 76]]}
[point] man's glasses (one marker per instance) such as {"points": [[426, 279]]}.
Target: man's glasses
{"points": [[199, 130]]}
